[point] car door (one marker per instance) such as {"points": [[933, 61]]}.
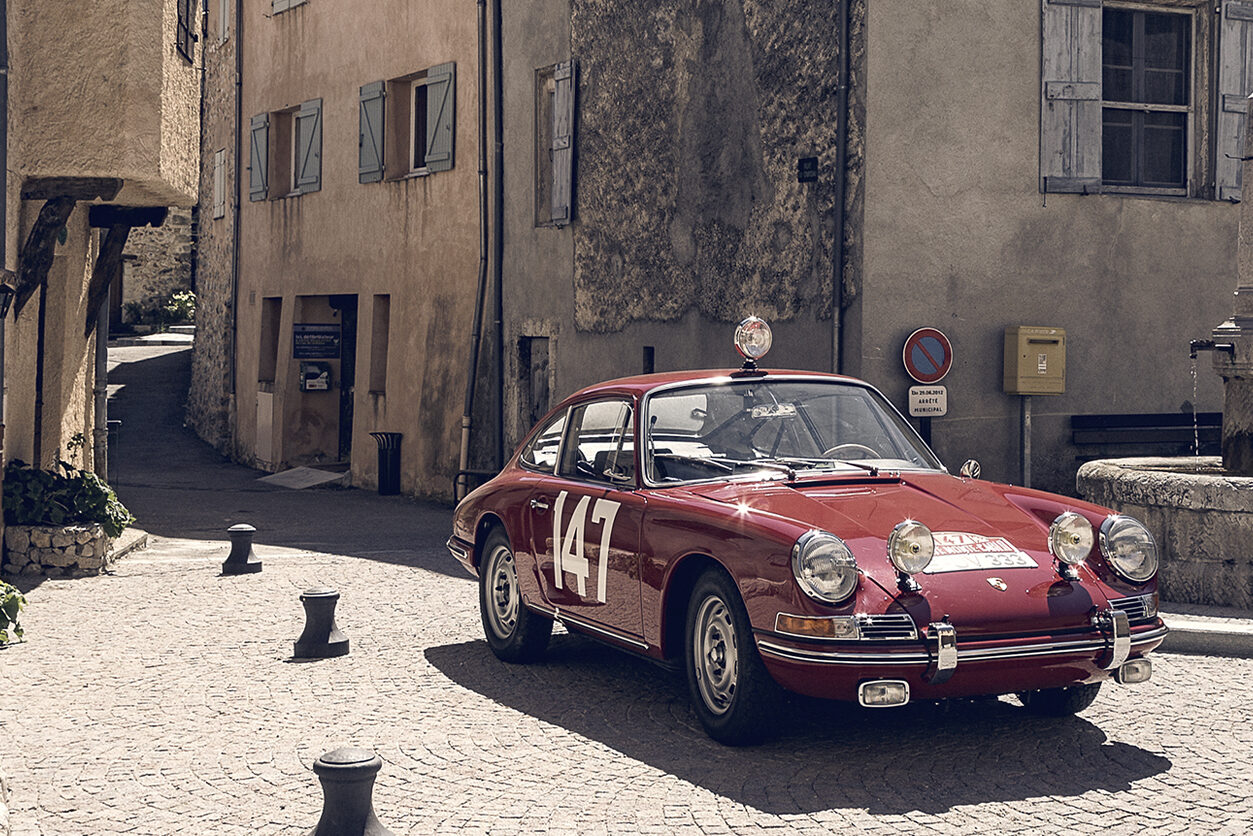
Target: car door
{"points": [[585, 522]]}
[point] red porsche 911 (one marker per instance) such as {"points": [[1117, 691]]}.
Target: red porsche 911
{"points": [[778, 530]]}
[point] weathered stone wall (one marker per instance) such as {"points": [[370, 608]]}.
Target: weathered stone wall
{"points": [[55, 551], [209, 401], [159, 261], [691, 119]]}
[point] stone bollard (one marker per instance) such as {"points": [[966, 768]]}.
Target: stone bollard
{"points": [[347, 777], [242, 560], [321, 639]]}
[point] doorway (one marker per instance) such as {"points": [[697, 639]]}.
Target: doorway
{"points": [[346, 305]]}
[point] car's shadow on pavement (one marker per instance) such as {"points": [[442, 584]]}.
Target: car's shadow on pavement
{"points": [[825, 756]]}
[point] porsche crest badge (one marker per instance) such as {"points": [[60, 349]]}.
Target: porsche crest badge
{"points": [[998, 584]]}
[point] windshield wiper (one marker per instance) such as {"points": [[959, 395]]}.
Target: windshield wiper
{"points": [[820, 462]]}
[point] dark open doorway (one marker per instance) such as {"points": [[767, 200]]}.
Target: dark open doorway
{"points": [[346, 304]]}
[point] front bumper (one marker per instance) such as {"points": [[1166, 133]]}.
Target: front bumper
{"points": [[941, 664]]}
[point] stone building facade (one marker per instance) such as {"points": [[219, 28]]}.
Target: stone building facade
{"points": [[339, 236], [157, 262], [82, 171]]}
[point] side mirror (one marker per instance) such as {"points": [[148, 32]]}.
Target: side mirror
{"points": [[970, 469]]}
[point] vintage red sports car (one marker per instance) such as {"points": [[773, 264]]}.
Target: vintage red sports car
{"points": [[782, 529]]}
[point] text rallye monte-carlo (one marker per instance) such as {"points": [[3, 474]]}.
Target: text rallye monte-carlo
{"points": [[777, 529]]}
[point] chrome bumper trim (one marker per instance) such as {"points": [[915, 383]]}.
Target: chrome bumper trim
{"points": [[944, 636], [455, 548], [982, 654]]}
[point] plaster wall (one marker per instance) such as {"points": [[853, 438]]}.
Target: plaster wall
{"points": [[105, 94], [690, 119], [415, 240], [957, 236]]}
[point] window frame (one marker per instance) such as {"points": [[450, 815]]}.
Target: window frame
{"points": [[185, 29], [1192, 137]]}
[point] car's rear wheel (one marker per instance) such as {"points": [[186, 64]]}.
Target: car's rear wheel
{"points": [[732, 692], [1060, 702], [514, 633]]}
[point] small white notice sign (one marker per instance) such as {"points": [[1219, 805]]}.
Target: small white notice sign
{"points": [[928, 401]]}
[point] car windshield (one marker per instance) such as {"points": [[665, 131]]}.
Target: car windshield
{"points": [[764, 427]]}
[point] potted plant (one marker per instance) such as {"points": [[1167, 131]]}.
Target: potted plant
{"points": [[59, 521], [11, 603]]}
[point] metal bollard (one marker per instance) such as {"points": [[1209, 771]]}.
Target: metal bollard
{"points": [[347, 777], [242, 560], [321, 639]]}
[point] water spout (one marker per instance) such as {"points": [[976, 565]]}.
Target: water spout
{"points": [[1209, 345]]}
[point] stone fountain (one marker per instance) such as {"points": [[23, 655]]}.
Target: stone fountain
{"points": [[1200, 509]]}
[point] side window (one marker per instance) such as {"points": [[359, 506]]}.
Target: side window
{"points": [[541, 452], [601, 443]]}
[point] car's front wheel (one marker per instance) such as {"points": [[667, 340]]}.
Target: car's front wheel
{"points": [[1060, 702], [732, 692], [514, 633]]}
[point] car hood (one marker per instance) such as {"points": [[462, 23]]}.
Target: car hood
{"points": [[968, 518]]}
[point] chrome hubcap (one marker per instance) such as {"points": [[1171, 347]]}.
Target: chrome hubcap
{"points": [[502, 592], [714, 652]]}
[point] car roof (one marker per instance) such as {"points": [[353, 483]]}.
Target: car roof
{"points": [[639, 385]]}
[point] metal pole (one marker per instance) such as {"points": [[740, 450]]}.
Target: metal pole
{"points": [[100, 393], [1026, 441], [4, 185]]}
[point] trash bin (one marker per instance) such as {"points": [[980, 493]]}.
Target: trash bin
{"points": [[389, 462]]}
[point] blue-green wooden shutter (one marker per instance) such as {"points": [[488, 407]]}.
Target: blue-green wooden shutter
{"points": [[370, 137], [309, 146], [1070, 100], [1235, 83], [441, 83], [563, 142], [259, 159]]}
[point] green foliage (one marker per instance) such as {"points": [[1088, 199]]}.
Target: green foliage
{"points": [[179, 308], [11, 603], [63, 496]]}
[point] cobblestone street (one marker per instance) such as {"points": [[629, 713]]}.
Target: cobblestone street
{"points": [[162, 699]]}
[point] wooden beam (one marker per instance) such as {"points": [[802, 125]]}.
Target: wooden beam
{"points": [[108, 266], [35, 259], [107, 215], [77, 188]]}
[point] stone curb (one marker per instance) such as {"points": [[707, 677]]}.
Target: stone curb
{"points": [[131, 539], [164, 339], [1209, 631]]}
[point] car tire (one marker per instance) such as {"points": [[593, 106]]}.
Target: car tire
{"points": [[1060, 702], [733, 694], [514, 633]]}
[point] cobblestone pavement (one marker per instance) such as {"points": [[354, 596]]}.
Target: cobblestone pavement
{"points": [[162, 700]]}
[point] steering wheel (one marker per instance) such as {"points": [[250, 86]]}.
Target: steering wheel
{"points": [[834, 452]]}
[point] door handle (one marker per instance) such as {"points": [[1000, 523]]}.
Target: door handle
{"points": [[539, 505]]}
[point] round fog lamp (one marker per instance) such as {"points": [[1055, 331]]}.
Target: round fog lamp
{"points": [[1071, 538], [910, 547], [1129, 548], [752, 338]]}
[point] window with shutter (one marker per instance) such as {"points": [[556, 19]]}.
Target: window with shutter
{"points": [[1070, 109], [284, 5], [259, 158], [1235, 84], [370, 133], [563, 143], [224, 20], [185, 34], [440, 116], [219, 183], [307, 138]]}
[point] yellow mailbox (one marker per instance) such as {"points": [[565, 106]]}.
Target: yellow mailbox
{"points": [[1035, 360]]}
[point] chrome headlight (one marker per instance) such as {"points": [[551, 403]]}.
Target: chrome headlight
{"points": [[1071, 538], [910, 547], [824, 567], [1129, 548]]}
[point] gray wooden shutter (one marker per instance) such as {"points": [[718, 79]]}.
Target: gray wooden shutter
{"points": [[370, 137], [1070, 105], [259, 159], [563, 142], [441, 94], [1235, 83], [309, 146]]}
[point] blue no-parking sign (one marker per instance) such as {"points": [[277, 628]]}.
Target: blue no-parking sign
{"points": [[928, 355]]}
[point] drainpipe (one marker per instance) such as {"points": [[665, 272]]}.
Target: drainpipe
{"points": [[463, 464], [100, 394], [4, 186], [498, 224], [235, 209], [841, 162]]}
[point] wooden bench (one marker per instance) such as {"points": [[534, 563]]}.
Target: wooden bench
{"points": [[1165, 434]]}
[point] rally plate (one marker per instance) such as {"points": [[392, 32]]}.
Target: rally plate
{"points": [[957, 551]]}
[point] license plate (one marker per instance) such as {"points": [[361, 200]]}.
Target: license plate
{"points": [[960, 552]]}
